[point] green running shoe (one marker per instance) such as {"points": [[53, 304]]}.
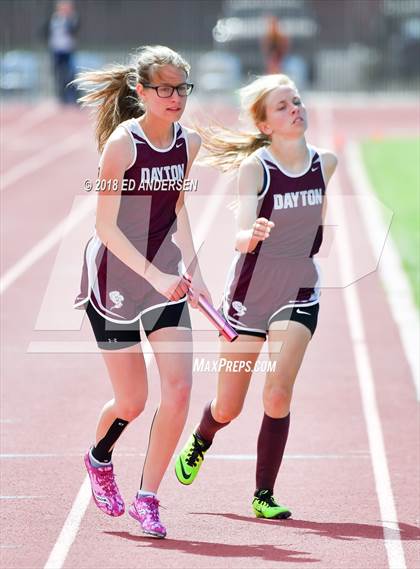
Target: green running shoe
{"points": [[190, 458], [265, 506]]}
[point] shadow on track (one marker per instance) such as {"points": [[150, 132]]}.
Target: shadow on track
{"points": [[209, 549], [333, 530]]}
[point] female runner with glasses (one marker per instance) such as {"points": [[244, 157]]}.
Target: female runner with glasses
{"points": [[273, 287], [132, 268]]}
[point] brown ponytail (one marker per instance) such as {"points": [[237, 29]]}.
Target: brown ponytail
{"points": [[113, 90]]}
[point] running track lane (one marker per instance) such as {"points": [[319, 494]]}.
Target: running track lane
{"points": [[321, 530]]}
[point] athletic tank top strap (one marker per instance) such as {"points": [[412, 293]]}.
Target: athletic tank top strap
{"points": [[138, 138], [134, 128], [270, 162]]}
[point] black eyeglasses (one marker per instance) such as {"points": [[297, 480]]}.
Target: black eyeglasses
{"points": [[166, 91]]}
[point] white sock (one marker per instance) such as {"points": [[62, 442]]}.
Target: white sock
{"points": [[145, 493]]}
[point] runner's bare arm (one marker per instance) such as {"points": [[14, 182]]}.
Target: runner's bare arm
{"points": [[117, 156], [250, 230], [329, 163], [183, 235]]}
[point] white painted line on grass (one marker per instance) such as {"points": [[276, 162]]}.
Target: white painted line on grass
{"points": [[394, 280], [389, 519]]}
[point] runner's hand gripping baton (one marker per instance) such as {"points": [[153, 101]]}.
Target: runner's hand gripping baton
{"points": [[214, 316]]}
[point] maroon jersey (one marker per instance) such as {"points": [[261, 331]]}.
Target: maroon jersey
{"points": [[147, 217], [280, 272]]}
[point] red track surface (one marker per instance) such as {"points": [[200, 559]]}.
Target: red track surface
{"points": [[51, 402]]}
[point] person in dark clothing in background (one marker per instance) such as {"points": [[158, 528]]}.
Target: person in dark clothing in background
{"points": [[61, 30]]}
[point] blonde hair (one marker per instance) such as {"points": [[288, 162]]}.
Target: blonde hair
{"points": [[113, 90], [227, 148]]}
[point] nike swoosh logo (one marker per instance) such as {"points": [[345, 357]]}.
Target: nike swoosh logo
{"points": [[178, 145], [314, 169], [184, 474], [299, 311]]}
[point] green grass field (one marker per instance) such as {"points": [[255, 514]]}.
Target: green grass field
{"points": [[393, 166]]}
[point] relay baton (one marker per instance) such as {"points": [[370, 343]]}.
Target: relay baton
{"points": [[214, 316]]}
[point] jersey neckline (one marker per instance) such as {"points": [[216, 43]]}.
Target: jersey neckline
{"points": [[143, 135], [283, 169]]}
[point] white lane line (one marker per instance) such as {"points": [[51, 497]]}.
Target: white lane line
{"points": [[70, 528], [72, 523], [389, 519], [394, 280], [287, 456], [361, 454], [21, 497], [31, 118], [47, 243], [211, 205], [47, 155], [25, 114]]}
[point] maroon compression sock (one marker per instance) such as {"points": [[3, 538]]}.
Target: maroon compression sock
{"points": [[208, 426], [270, 449]]}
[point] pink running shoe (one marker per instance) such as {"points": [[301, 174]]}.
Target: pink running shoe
{"points": [[145, 509], [104, 488]]}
